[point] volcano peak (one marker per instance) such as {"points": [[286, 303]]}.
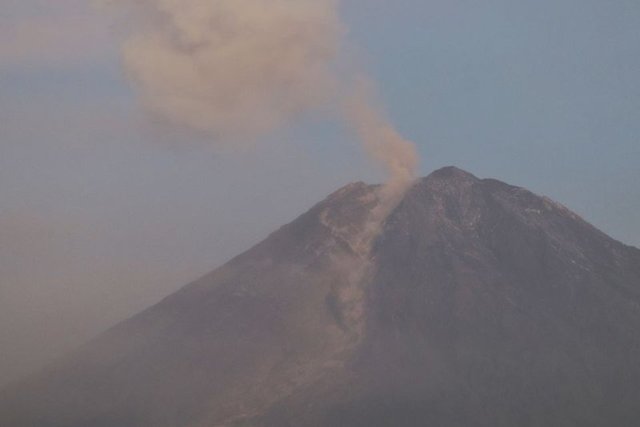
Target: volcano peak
{"points": [[480, 303]]}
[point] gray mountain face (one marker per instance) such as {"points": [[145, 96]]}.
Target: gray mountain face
{"points": [[479, 304]]}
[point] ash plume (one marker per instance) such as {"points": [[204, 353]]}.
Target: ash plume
{"points": [[236, 69], [239, 69], [387, 147]]}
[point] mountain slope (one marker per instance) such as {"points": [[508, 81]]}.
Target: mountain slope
{"points": [[480, 304]]}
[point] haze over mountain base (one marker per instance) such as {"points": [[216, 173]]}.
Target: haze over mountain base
{"points": [[479, 304]]}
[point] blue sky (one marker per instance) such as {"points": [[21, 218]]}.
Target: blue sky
{"points": [[543, 94], [105, 211]]}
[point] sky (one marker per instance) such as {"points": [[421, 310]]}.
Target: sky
{"points": [[104, 210]]}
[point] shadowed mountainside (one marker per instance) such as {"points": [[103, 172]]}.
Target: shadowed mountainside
{"points": [[480, 304]]}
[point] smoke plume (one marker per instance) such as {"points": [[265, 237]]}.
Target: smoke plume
{"points": [[238, 69], [382, 142]]}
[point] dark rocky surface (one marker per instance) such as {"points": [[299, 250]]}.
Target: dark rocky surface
{"points": [[480, 304]]}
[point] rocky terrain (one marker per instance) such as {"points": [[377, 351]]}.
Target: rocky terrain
{"points": [[478, 304]]}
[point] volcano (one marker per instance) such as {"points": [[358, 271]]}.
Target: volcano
{"points": [[478, 304]]}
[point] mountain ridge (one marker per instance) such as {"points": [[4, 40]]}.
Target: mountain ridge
{"points": [[479, 303]]}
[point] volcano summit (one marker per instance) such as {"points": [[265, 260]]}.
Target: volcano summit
{"points": [[477, 304]]}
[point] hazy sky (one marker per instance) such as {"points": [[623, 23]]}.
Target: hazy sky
{"points": [[104, 211]]}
